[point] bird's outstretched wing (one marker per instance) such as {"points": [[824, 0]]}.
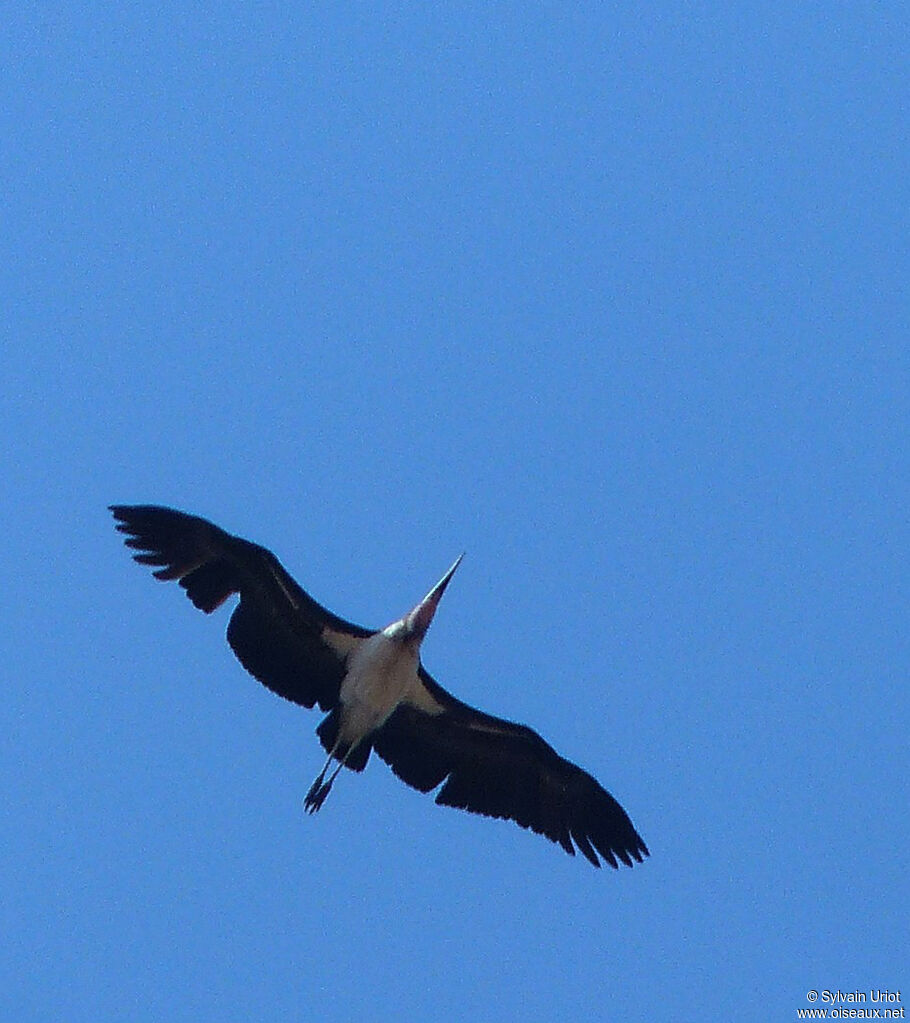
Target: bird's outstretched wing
{"points": [[499, 769], [283, 637]]}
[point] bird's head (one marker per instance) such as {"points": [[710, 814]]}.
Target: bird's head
{"points": [[413, 626]]}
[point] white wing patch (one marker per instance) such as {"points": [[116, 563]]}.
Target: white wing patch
{"points": [[420, 697], [341, 643]]}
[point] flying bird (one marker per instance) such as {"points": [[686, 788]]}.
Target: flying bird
{"points": [[376, 692]]}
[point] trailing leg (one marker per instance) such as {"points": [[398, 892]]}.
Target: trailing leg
{"points": [[320, 787]]}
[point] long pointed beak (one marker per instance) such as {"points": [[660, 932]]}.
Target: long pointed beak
{"points": [[419, 619]]}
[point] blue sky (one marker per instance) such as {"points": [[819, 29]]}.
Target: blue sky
{"points": [[611, 298]]}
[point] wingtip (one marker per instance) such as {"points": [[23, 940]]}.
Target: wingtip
{"points": [[121, 512]]}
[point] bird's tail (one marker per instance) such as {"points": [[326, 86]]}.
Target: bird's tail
{"points": [[356, 758]]}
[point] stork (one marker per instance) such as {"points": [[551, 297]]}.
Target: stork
{"points": [[376, 692]]}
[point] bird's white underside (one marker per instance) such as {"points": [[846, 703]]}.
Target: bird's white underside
{"points": [[382, 673]]}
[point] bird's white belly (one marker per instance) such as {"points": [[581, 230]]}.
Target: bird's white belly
{"points": [[383, 672]]}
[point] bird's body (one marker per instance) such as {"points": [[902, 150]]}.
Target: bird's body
{"points": [[382, 674], [377, 693]]}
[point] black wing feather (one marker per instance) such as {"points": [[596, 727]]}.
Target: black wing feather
{"points": [[283, 637], [500, 769]]}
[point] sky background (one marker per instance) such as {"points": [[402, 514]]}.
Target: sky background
{"points": [[611, 298]]}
